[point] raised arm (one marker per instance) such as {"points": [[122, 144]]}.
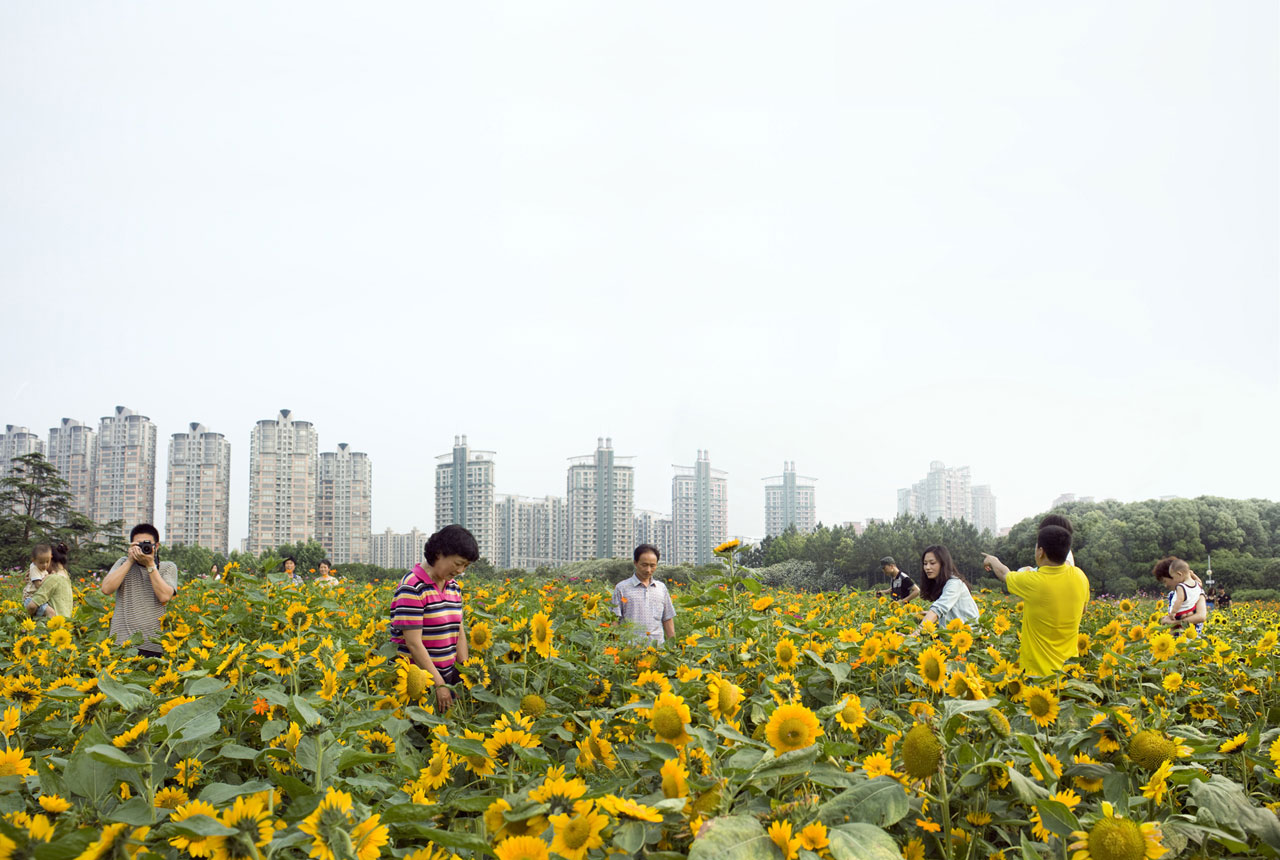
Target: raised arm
{"points": [[996, 566]]}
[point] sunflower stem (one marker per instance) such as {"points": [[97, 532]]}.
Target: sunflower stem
{"points": [[946, 810]]}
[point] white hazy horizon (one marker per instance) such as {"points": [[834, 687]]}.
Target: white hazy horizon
{"points": [[1042, 242]]}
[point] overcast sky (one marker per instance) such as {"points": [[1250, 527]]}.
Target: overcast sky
{"points": [[1040, 240]]}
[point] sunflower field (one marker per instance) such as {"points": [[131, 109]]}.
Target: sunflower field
{"points": [[278, 724]]}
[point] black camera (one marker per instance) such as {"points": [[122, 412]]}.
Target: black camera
{"points": [[146, 547]]}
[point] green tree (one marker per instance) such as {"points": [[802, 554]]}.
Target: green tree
{"points": [[308, 554], [36, 506]]}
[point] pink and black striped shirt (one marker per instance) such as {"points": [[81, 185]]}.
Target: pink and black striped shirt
{"points": [[436, 611]]}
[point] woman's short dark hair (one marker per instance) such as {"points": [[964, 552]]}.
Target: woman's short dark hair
{"points": [[451, 540], [325, 561], [289, 558], [1161, 569], [58, 555], [643, 548], [932, 588]]}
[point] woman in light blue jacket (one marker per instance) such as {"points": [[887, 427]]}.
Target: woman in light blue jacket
{"points": [[942, 584]]}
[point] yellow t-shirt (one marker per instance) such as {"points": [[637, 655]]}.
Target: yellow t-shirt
{"points": [[1054, 598]]}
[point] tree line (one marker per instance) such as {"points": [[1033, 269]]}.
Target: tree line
{"points": [[1115, 544]]}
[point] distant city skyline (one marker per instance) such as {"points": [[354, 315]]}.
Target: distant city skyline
{"points": [[855, 237], [522, 530]]}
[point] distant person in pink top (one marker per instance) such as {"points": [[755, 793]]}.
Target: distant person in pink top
{"points": [[426, 610]]}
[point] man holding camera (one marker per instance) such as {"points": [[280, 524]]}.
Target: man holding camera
{"points": [[142, 587]]}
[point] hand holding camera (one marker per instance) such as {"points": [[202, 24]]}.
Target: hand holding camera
{"points": [[141, 553]]}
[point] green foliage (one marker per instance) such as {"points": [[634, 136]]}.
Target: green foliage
{"points": [[308, 554], [1263, 594], [1115, 544], [35, 507]]}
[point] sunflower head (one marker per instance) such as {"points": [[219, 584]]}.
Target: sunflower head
{"points": [[792, 727], [1150, 749], [724, 698], [668, 718], [921, 752], [998, 722], [1116, 838], [533, 705], [786, 654]]}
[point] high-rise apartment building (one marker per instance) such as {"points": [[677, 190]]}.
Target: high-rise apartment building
{"points": [[790, 500], [654, 528], [197, 500], [984, 508], [943, 494], [398, 551], [73, 450], [464, 493], [17, 442], [529, 532], [947, 494], [283, 463], [124, 481], [601, 501], [699, 511], [344, 505]]}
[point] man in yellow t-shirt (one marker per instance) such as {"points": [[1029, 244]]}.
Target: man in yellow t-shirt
{"points": [[1054, 596]]}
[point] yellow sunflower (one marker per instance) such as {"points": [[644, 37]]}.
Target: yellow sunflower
{"points": [[933, 668], [503, 744], [1234, 744], [578, 832], [675, 778], [522, 848], [792, 727], [1163, 647], [170, 797], [13, 762], [877, 764], [780, 833], [625, 810], [480, 637], [251, 820], [851, 715], [1042, 705], [668, 719], [413, 685], [786, 654], [540, 632], [595, 748], [724, 698], [1117, 838], [128, 736]]}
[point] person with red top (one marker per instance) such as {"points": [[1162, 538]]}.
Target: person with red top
{"points": [[426, 610]]}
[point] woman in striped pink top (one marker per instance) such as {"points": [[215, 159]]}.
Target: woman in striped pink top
{"points": [[426, 610]]}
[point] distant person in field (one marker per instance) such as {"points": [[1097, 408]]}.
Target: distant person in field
{"points": [[901, 587], [325, 575], [291, 568], [642, 602], [942, 584], [1186, 601], [426, 610], [54, 596], [41, 556], [1054, 595], [142, 585]]}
